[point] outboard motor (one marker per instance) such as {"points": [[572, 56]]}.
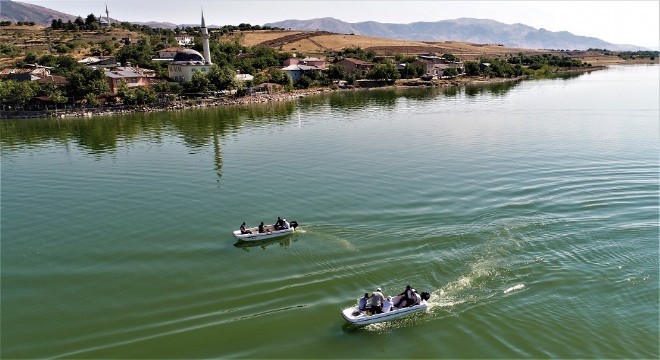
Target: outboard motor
{"points": [[294, 224], [426, 295]]}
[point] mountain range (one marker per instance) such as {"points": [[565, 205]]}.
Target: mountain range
{"points": [[479, 31]]}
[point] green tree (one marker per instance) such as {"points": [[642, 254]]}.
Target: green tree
{"points": [[304, 82], [84, 80], [383, 72], [335, 72], [472, 68], [280, 77], [144, 95], [92, 100], [450, 72], [17, 93], [57, 97], [222, 78], [137, 54], [199, 83], [449, 57]]}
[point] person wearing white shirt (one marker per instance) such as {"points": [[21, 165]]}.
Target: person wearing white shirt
{"points": [[387, 304]]}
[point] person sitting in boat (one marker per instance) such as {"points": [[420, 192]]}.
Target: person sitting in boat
{"points": [[278, 224], [261, 228], [285, 224], [362, 303], [243, 230], [387, 304], [417, 298], [407, 297], [376, 301]]}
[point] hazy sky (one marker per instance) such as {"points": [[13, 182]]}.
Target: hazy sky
{"points": [[619, 22]]}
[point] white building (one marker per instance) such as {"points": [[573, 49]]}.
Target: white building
{"points": [[185, 63], [184, 40]]}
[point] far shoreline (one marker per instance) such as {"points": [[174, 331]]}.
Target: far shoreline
{"points": [[266, 98]]}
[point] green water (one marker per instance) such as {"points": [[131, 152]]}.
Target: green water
{"points": [[529, 211]]}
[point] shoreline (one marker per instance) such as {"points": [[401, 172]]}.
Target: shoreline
{"points": [[260, 98]]}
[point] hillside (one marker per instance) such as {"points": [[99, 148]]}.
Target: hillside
{"points": [[17, 11], [318, 43], [480, 31]]}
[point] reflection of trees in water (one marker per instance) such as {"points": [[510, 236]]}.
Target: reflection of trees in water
{"points": [[198, 128], [500, 88]]}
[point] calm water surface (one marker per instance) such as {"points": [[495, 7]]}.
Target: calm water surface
{"points": [[529, 210]]}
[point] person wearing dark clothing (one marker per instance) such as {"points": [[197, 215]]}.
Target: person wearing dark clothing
{"points": [[243, 230], [362, 304], [407, 297], [261, 228], [279, 224]]}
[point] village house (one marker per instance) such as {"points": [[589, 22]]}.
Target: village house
{"points": [[29, 72], [308, 61], [296, 71], [100, 62], [168, 53], [184, 40], [355, 66], [435, 66], [132, 76]]}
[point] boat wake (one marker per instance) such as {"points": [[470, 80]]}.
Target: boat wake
{"points": [[514, 288]]}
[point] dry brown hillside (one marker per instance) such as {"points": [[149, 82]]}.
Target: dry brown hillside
{"points": [[321, 42], [35, 39]]}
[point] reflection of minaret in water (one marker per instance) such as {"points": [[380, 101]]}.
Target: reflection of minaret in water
{"points": [[205, 41]]}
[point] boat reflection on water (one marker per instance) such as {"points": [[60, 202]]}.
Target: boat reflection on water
{"points": [[246, 245]]}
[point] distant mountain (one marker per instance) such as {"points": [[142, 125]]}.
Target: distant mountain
{"points": [[18, 11], [479, 31]]}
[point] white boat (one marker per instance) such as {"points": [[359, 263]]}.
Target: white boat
{"points": [[269, 232], [354, 316]]}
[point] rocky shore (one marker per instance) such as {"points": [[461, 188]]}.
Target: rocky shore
{"points": [[244, 100]]}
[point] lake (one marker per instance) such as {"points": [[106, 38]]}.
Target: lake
{"points": [[529, 210]]}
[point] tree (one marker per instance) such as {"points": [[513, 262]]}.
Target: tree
{"points": [[450, 72], [472, 68], [449, 57], [303, 82], [144, 95], [199, 83], [383, 72], [92, 100], [57, 97], [91, 19], [222, 78], [84, 80], [280, 77], [336, 72], [79, 23], [17, 93]]}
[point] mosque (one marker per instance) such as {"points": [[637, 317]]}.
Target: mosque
{"points": [[186, 61]]}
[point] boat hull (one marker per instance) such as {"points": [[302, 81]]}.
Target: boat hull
{"points": [[256, 236], [363, 319]]}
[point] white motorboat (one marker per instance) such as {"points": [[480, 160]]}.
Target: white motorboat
{"points": [[354, 316], [253, 234]]}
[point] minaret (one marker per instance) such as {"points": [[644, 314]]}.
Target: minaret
{"points": [[205, 41], [107, 15]]}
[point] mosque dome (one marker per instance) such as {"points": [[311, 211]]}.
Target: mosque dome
{"points": [[188, 55]]}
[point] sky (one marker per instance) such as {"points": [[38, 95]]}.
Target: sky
{"points": [[617, 22]]}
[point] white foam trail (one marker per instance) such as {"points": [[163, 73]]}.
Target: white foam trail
{"points": [[514, 288]]}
